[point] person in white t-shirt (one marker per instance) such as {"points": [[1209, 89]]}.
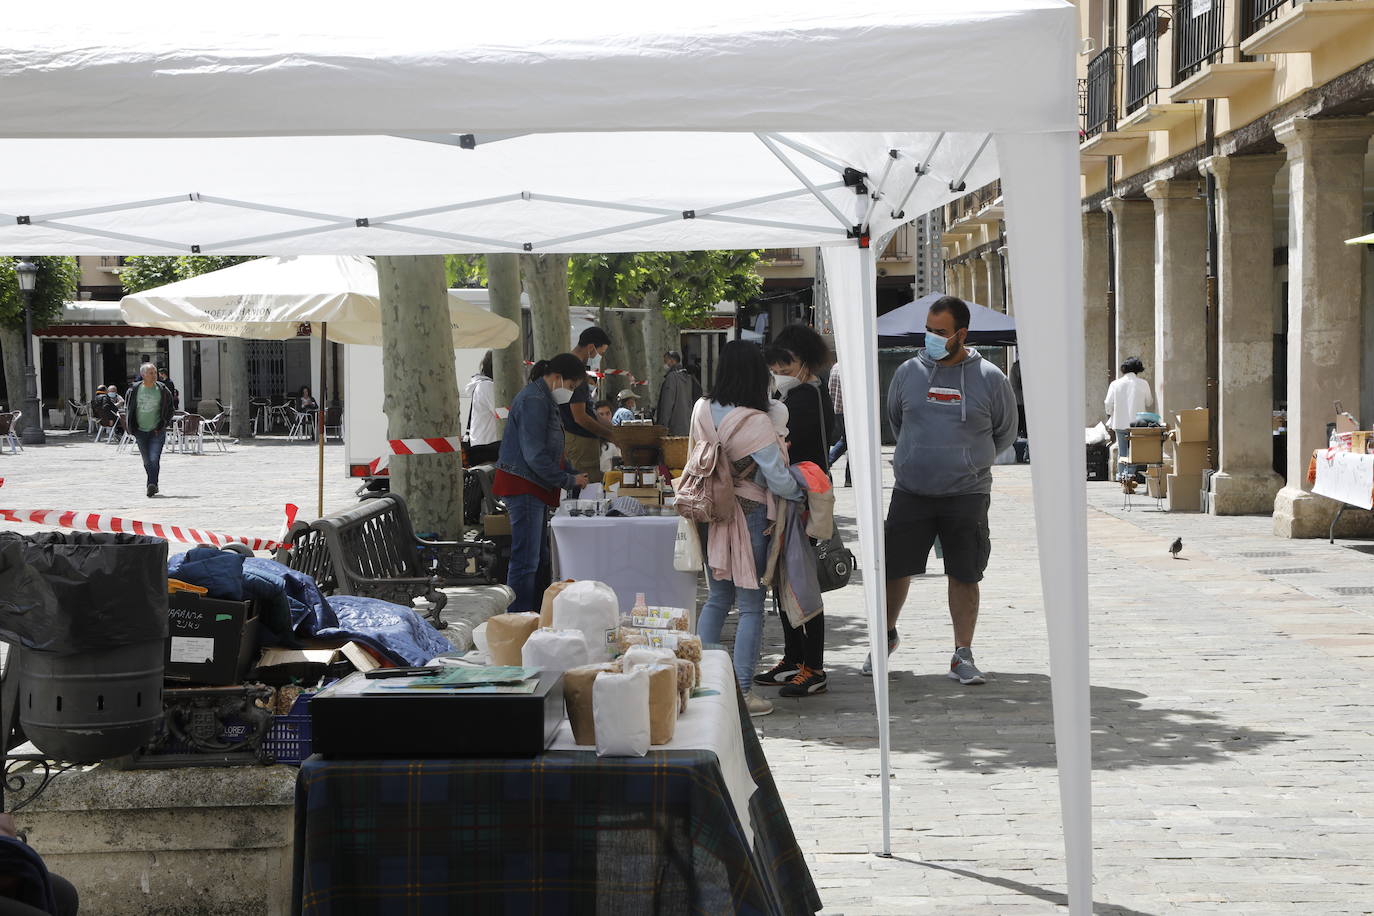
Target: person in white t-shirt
{"points": [[483, 427], [1127, 396]]}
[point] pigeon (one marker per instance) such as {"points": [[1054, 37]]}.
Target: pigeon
{"points": [[1176, 547]]}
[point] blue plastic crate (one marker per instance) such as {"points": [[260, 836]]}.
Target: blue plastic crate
{"points": [[288, 739]]}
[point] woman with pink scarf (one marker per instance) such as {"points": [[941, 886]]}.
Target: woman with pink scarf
{"points": [[736, 411]]}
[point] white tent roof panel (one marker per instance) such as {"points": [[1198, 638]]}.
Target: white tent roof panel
{"points": [[351, 68], [302, 195]]}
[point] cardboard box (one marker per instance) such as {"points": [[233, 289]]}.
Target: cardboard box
{"points": [[1156, 486], [1191, 425], [1147, 445], [1184, 492], [209, 641], [647, 496], [1190, 458], [497, 525]]}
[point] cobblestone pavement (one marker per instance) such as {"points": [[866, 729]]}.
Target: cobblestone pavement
{"points": [[1230, 686]]}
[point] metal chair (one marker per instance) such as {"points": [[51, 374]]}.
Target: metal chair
{"points": [[299, 423], [7, 433], [333, 420], [193, 430], [80, 412], [211, 428]]}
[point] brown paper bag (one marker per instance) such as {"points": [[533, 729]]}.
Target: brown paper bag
{"points": [[577, 700], [506, 635], [546, 608], [663, 702]]}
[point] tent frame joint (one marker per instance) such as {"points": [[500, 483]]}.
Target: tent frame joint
{"points": [[362, 222], [22, 220], [689, 214], [853, 178]]}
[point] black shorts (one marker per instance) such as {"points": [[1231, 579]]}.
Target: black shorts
{"points": [[961, 523]]}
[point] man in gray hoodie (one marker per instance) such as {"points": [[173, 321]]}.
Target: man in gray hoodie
{"points": [[954, 413]]}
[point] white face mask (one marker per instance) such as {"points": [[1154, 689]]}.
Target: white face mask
{"points": [[594, 362], [562, 395], [784, 383]]}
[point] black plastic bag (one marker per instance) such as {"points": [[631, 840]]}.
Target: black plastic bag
{"points": [[93, 591]]}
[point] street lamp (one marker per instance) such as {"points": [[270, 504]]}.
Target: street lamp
{"points": [[32, 431]]}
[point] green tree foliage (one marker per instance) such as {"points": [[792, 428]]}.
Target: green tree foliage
{"points": [[146, 271], [57, 281], [688, 283], [465, 271]]}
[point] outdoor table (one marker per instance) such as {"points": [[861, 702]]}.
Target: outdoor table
{"points": [[1347, 477], [564, 832], [631, 555]]}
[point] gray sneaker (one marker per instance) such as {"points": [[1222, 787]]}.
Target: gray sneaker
{"points": [[893, 642], [962, 669]]}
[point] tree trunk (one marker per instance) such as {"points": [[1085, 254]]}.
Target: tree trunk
{"points": [[420, 388], [617, 355], [660, 336], [233, 361], [508, 370], [12, 342], [635, 362], [546, 280]]}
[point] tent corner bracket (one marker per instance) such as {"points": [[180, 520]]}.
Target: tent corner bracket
{"points": [[853, 178]]}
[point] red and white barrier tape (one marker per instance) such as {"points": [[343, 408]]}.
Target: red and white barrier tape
{"points": [[113, 524], [434, 445], [92, 521]]}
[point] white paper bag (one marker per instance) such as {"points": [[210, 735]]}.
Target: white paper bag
{"points": [[593, 608], [620, 710], [635, 656], [686, 547], [554, 650]]}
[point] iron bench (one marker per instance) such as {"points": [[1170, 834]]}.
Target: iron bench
{"points": [[372, 550]]}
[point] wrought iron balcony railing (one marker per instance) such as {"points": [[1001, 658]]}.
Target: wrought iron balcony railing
{"points": [[1199, 35], [1100, 105], [1142, 57], [1256, 14]]}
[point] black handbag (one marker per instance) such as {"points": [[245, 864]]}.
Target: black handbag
{"points": [[834, 561]]}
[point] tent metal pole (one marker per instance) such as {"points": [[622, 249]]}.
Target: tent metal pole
{"points": [[771, 224], [121, 237], [448, 208], [254, 240], [958, 183], [769, 198], [596, 233], [268, 208], [801, 176], [111, 208], [321, 408], [809, 152], [455, 236], [877, 192], [604, 204]]}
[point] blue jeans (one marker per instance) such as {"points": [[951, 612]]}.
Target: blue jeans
{"points": [[725, 594], [150, 450], [528, 519], [1123, 452]]}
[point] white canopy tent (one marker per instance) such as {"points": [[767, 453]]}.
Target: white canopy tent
{"points": [[542, 128]]}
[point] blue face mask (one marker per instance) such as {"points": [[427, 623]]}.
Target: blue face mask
{"points": [[936, 346]]}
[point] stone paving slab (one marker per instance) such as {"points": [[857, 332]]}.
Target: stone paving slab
{"points": [[1232, 728]]}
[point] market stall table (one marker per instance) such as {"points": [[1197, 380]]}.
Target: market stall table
{"points": [[1347, 477], [563, 832], [631, 555]]}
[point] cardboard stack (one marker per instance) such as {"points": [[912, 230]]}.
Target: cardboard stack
{"points": [[1190, 459]]}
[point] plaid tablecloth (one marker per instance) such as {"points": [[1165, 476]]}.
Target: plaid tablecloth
{"points": [[565, 832]]}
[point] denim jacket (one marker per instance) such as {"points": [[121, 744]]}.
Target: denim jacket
{"points": [[532, 446]]}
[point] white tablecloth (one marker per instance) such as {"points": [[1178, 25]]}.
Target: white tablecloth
{"points": [[710, 724], [629, 554]]}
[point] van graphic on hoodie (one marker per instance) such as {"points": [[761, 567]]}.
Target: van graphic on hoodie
{"points": [[951, 423]]}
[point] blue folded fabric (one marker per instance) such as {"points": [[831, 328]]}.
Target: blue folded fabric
{"points": [[220, 571], [397, 633], [308, 608]]}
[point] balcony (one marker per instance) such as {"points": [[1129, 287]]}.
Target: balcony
{"points": [[1285, 27], [1200, 71], [1142, 57], [781, 257], [1099, 106]]}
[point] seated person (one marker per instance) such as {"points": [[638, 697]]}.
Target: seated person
{"points": [[610, 455], [629, 401]]}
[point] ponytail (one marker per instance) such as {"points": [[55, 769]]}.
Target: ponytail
{"points": [[539, 370]]}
